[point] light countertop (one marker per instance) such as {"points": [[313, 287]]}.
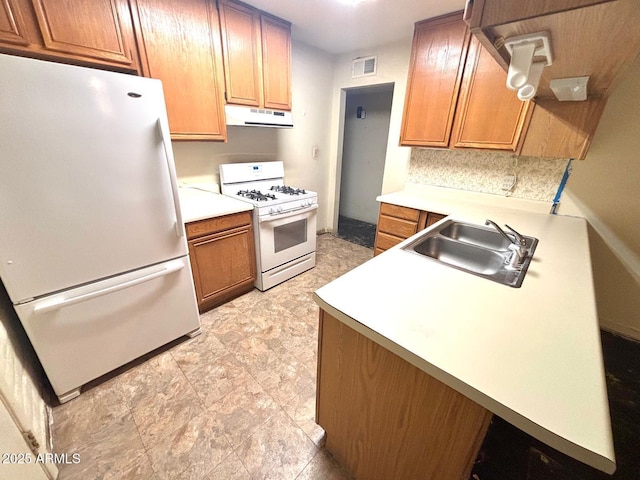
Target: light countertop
{"points": [[531, 355], [198, 204], [448, 201]]}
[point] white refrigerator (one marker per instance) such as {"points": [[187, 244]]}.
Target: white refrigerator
{"points": [[93, 252]]}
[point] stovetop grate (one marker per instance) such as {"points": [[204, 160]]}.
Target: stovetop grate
{"points": [[256, 195]]}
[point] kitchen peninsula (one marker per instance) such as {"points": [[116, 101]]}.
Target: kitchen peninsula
{"points": [[414, 356]]}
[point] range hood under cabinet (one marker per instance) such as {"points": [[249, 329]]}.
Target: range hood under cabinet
{"points": [[257, 117]]}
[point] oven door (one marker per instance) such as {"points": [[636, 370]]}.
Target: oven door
{"points": [[286, 236]]}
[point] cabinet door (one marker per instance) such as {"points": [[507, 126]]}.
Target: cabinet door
{"points": [[435, 72], [562, 129], [95, 30], [387, 419], [276, 62], [223, 265], [433, 218], [488, 114], [12, 27], [181, 48], [241, 47]]}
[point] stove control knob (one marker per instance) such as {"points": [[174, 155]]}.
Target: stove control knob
{"points": [[279, 209]]}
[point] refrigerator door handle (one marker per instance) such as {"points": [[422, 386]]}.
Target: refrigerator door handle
{"points": [[174, 184], [60, 302]]}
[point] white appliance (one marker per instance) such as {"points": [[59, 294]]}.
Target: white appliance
{"points": [[284, 219], [92, 246], [246, 116]]}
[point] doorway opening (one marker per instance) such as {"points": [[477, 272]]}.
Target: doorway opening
{"points": [[364, 147]]}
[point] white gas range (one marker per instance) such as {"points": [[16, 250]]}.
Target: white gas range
{"points": [[284, 219]]}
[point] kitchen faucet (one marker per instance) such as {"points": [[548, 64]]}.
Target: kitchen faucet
{"points": [[517, 245]]}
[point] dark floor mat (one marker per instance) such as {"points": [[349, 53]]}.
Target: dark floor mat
{"points": [[356, 231]]}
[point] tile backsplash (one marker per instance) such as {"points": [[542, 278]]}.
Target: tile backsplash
{"points": [[476, 171]]}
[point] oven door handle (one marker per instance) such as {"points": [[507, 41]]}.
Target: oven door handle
{"points": [[290, 213]]}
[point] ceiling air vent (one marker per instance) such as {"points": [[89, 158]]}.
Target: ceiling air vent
{"points": [[364, 67]]}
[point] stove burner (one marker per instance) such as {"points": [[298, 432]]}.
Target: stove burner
{"points": [[256, 195], [288, 190]]}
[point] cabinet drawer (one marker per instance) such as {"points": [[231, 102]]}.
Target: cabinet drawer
{"points": [[434, 218], [400, 212], [384, 241], [212, 225], [397, 226]]}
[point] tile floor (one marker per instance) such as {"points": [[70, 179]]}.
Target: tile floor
{"points": [[237, 402]]}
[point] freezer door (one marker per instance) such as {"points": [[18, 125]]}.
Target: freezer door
{"points": [[87, 179], [86, 332]]}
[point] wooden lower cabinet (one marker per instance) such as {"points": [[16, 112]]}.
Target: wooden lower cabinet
{"points": [[384, 418], [222, 257], [397, 223]]}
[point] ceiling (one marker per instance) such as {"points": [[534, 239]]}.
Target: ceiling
{"points": [[337, 26]]}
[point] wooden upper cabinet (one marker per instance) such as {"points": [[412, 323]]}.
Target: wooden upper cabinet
{"points": [[276, 62], [456, 92], [12, 26], [562, 129], [96, 33], [180, 45], [497, 12], [595, 38], [488, 115], [435, 71], [241, 44], [598, 38], [84, 29], [257, 56]]}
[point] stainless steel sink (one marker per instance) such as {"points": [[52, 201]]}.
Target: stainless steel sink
{"points": [[461, 255], [476, 249], [476, 235]]}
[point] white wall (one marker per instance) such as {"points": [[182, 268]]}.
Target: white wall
{"points": [[364, 151], [312, 74], [606, 188], [318, 80], [392, 67]]}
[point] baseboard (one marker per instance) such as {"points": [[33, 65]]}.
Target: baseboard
{"points": [[615, 328], [627, 257]]}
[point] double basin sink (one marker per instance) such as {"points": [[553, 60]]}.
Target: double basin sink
{"points": [[479, 250]]}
